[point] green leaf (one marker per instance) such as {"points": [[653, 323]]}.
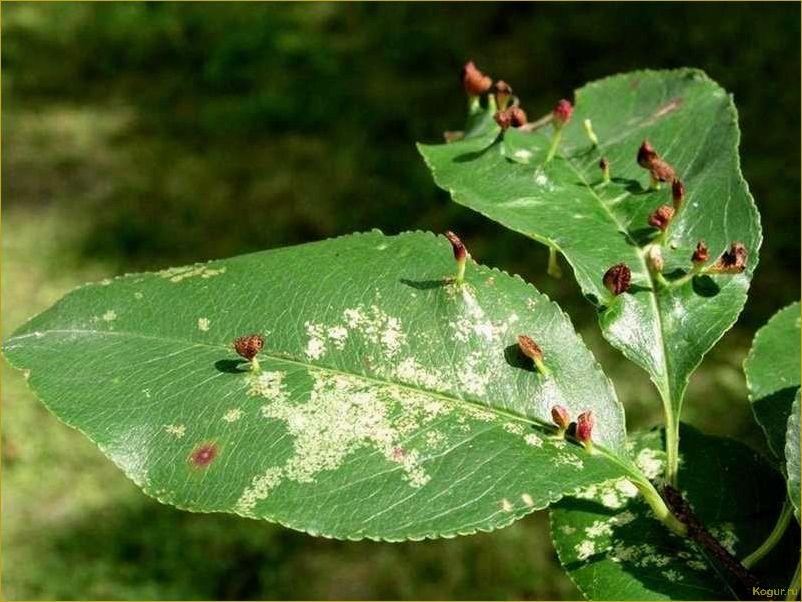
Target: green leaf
{"points": [[792, 463], [613, 550], [692, 123], [391, 404], [773, 374]]}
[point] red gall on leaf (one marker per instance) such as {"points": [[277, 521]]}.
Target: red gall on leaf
{"points": [[677, 193], [529, 348], [503, 92], [474, 81], [661, 217], [562, 113], [203, 455], [460, 254], [561, 418], [249, 345], [701, 254], [617, 278], [510, 117], [604, 165], [732, 261], [661, 171], [646, 154], [584, 428], [532, 350]]}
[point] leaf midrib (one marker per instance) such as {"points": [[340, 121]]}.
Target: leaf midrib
{"points": [[645, 268]]}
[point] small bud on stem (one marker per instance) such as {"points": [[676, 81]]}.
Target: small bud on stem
{"points": [[617, 278], [562, 113], [604, 165], [474, 81], [654, 256], [503, 92], [248, 347], [654, 259], [460, 254], [560, 117], [531, 350], [584, 429], [561, 418], [588, 127]]}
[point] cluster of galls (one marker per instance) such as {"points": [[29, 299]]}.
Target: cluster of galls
{"points": [[583, 431], [508, 112], [617, 278], [477, 83]]}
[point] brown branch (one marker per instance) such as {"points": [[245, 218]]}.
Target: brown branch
{"points": [[696, 530]]}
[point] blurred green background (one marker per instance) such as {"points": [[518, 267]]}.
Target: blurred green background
{"points": [[141, 135]]}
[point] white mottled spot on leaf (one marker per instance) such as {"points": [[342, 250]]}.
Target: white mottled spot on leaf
{"points": [[259, 489], [232, 415], [515, 428], [203, 324], [612, 494], [506, 505], [568, 459], [338, 335], [345, 413], [534, 440], [316, 345], [177, 430], [585, 549], [725, 533], [527, 499], [434, 438], [109, 316], [269, 385], [651, 462], [190, 271]]}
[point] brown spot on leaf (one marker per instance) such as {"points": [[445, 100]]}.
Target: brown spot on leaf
{"points": [[203, 455]]}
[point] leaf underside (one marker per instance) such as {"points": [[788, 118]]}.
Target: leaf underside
{"points": [[692, 123], [391, 403], [773, 374], [613, 550]]}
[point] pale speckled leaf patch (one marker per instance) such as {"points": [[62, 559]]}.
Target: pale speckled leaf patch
{"points": [[391, 404]]}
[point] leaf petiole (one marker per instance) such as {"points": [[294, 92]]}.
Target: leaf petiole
{"points": [[773, 539], [555, 142]]}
